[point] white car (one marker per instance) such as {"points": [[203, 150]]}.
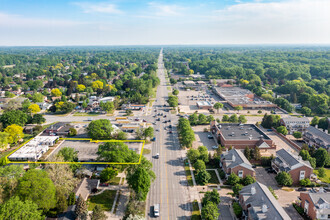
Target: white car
{"points": [[215, 147]]}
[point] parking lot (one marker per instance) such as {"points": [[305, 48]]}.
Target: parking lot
{"points": [[202, 139]]}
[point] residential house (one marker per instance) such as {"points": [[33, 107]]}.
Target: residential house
{"points": [[259, 203], [44, 105], [316, 204], [294, 124], [316, 137], [234, 161], [293, 164]]}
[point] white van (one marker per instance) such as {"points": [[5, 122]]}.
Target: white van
{"points": [[156, 210]]}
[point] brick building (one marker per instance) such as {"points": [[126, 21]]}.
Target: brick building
{"points": [[293, 124], [234, 161], [240, 136], [316, 204], [293, 164]]}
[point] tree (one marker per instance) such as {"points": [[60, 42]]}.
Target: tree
{"points": [[108, 173], [72, 132], [305, 182], [56, 93], [233, 118], [321, 172], [98, 213], [72, 199], [247, 180], [199, 165], [282, 130], [100, 129], [322, 157], [233, 179], [236, 188], [37, 119], [36, 186], [210, 211], [256, 153], [37, 97], [237, 209], [175, 92], [61, 204], [297, 134], [204, 153], [202, 119], [97, 85], [193, 155], [61, 175], [69, 154], [211, 196], [203, 177], [242, 119], [225, 118], [109, 107], [34, 108], [121, 135], [283, 103], [304, 154], [284, 179], [14, 208], [218, 106], [15, 133], [116, 152], [247, 153], [9, 176], [306, 111], [193, 119], [81, 208], [4, 140], [148, 132], [238, 108], [173, 101], [135, 217], [13, 117], [315, 121], [80, 87], [140, 182]]}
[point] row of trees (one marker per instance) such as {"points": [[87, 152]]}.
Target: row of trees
{"points": [[186, 134], [200, 119], [198, 157]]}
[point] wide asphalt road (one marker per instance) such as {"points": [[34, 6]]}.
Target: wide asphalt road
{"points": [[170, 189]]}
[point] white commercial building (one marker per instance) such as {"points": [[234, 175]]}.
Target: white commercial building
{"points": [[34, 149]]}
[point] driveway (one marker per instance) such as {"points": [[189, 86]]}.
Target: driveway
{"points": [[224, 207], [265, 178]]}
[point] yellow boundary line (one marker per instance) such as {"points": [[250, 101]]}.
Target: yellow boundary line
{"points": [[80, 139]]}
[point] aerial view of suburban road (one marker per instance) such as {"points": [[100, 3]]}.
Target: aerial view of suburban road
{"points": [[170, 187]]}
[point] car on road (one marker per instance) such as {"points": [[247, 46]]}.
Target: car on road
{"points": [[209, 136], [215, 147], [157, 129], [144, 120], [170, 132], [157, 156], [156, 210], [170, 126], [137, 119], [153, 139], [169, 121]]}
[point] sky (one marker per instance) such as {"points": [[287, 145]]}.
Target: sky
{"points": [[171, 22]]}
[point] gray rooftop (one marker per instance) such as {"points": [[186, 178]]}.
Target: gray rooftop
{"points": [[320, 199], [320, 134], [262, 197], [291, 159], [241, 132], [239, 159], [295, 119]]}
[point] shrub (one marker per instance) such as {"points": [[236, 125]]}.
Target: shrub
{"points": [[233, 179], [305, 182], [237, 209]]}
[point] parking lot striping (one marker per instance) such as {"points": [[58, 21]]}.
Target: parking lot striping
{"points": [[80, 139]]}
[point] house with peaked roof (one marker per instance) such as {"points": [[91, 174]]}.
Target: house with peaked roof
{"points": [[293, 164], [316, 204], [234, 161], [259, 203], [316, 137]]}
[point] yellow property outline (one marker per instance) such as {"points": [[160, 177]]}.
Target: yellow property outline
{"points": [[80, 139]]}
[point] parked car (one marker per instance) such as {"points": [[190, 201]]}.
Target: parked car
{"points": [[153, 139], [215, 147], [209, 136], [301, 189], [144, 120], [170, 126]]}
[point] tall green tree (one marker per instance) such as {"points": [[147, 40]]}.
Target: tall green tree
{"points": [[100, 129], [212, 196], [98, 213], [81, 208], [218, 106], [210, 211], [284, 179]]}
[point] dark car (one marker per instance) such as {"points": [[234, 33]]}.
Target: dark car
{"points": [[170, 126], [301, 189]]}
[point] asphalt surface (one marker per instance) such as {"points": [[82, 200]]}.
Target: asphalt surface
{"points": [[170, 189]]}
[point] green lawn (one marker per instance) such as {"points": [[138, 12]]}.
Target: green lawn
{"points": [[85, 114], [325, 179], [105, 200], [114, 181], [214, 178], [196, 215], [188, 174], [146, 151]]}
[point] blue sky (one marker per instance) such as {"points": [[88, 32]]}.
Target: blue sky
{"points": [[133, 22]]}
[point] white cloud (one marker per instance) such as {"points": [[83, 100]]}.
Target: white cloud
{"points": [[12, 21], [160, 9], [292, 21], [102, 7]]}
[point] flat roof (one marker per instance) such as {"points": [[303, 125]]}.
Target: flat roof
{"points": [[241, 132], [203, 103]]}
